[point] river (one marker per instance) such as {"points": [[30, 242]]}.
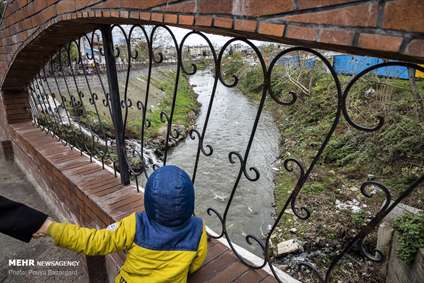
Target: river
{"points": [[229, 128]]}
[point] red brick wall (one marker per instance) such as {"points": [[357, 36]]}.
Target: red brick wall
{"points": [[33, 30], [14, 108], [392, 28]]}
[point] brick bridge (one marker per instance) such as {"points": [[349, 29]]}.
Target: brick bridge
{"points": [[33, 30]]}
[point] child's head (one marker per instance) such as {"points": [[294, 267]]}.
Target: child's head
{"points": [[169, 196]]}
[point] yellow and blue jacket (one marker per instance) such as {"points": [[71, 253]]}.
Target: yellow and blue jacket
{"points": [[155, 252]]}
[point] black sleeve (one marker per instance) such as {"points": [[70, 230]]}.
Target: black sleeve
{"points": [[18, 220]]}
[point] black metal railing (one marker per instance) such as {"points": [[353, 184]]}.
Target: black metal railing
{"points": [[82, 99]]}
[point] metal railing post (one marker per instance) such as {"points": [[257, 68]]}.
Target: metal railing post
{"points": [[115, 101]]}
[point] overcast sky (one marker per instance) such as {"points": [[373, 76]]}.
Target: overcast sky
{"points": [[179, 33], [196, 39]]}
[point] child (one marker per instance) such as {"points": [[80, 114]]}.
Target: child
{"points": [[164, 243]]}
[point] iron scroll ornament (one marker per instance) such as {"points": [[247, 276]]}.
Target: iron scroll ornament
{"points": [[233, 155], [341, 110], [126, 103], [256, 175], [40, 92], [164, 116], [388, 205], [92, 98], [208, 149]]}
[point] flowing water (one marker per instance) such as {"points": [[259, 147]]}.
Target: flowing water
{"points": [[229, 128]]}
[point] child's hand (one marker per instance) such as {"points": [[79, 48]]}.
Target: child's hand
{"points": [[42, 232]]}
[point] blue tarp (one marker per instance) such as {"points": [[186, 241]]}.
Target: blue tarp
{"points": [[352, 65], [295, 61]]}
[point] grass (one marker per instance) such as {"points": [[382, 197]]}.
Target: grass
{"points": [[359, 218], [163, 81], [185, 103], [392, 154]]}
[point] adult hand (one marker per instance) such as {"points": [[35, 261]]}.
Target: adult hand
{"points": [[42, 232]]}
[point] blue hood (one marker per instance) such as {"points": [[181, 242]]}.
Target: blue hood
{"points": [[169, 196]]}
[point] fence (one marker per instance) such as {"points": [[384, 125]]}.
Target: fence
{"points": [[96, 119]]}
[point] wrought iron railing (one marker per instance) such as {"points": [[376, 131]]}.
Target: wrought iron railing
{"points": [[77, 97]]}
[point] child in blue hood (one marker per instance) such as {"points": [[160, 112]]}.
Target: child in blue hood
{"points": [[164, 243]]}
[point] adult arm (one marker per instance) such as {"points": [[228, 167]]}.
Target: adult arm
{"points": [[18, 220]]}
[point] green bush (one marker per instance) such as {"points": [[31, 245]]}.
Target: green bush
{"points": [[359, 218], [411, 236]]}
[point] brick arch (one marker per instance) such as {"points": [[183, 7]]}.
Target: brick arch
{"points": [[33, 29]]}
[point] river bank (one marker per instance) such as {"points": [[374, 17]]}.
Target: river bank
{"points": [[93, 117], [332, 193]]}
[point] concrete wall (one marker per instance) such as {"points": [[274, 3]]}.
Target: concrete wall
{"points": [[393, 268], [399, 272], [3, 121]]}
